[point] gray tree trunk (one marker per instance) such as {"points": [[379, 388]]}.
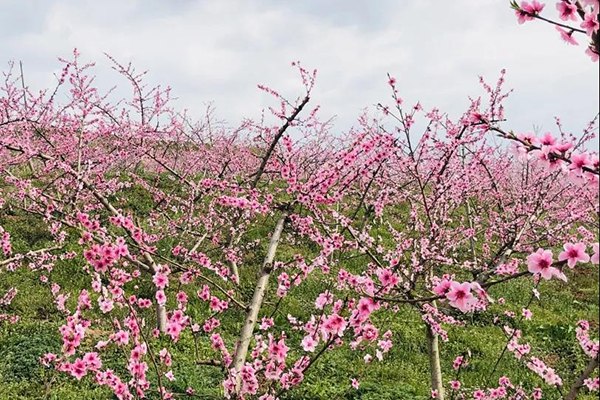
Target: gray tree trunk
{"points": [[435, 369], [257, 299]]}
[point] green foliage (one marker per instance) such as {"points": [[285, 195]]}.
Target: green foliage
{"points": [[20, 349]]}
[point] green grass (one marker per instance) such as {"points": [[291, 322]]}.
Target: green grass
{"points": [[402, 375]]}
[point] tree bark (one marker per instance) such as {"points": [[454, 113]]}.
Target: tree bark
{"points": [[161, 318], [161, 310], [257, 299], [435, 369], [592, 365]]}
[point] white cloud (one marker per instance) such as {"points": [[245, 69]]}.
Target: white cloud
{"points": [[219, 50]]}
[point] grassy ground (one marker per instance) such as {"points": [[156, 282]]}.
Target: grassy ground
{"points": [[402, 375]]}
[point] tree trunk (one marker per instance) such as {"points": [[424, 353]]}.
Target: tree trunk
{"points": [[584, 375], [434, 363], [161, 310], [161, 318], [233, 268], [259, 292]]}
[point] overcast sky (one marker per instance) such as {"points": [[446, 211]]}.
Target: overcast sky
{"points": [[219, 50]]}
